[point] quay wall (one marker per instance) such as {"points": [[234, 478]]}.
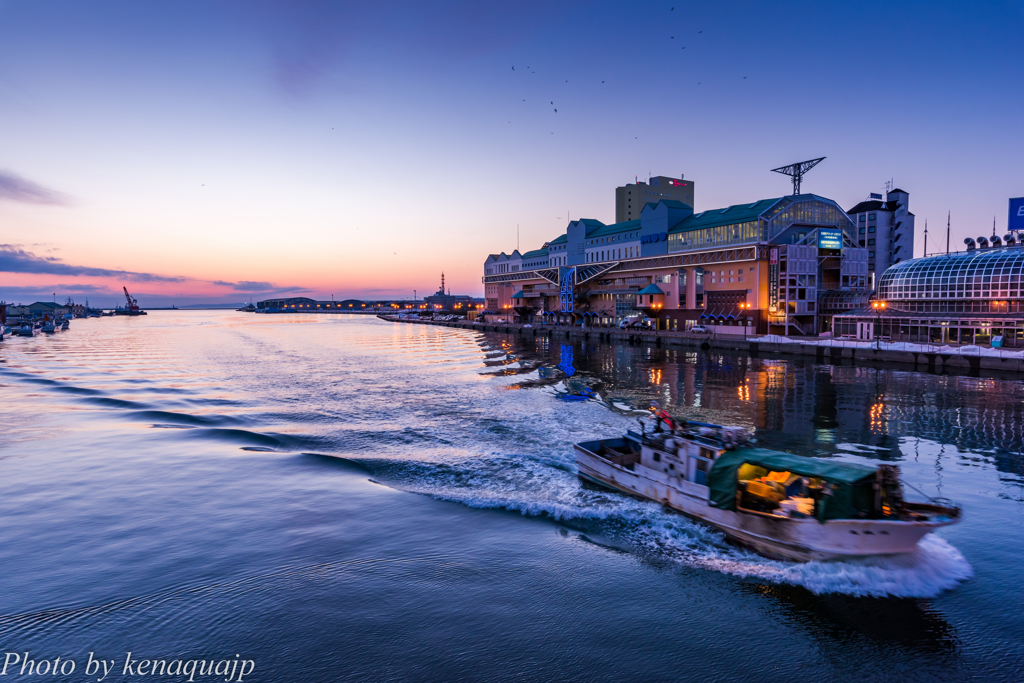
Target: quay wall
{"points": [[931, 361]]}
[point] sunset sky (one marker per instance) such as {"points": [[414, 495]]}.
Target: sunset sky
{"points": [[216, 151]]}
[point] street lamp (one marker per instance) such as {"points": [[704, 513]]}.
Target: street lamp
{"points": [[744, 307], [879, 306]]}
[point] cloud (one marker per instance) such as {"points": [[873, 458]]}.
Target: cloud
{"points": [[248, 285], [14, 259], [17, 189]]}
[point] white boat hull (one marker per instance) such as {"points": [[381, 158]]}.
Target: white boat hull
{"points": [[779, 537]]}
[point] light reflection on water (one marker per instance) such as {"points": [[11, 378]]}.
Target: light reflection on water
{"points": [[202, 472]]}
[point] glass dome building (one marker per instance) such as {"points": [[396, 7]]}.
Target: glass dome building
{"points": [[968, 297]]}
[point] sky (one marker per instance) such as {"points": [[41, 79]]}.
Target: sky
{"points": [[221, 151]]}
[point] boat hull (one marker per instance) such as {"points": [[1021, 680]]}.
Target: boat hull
{"points": [[783, 538]]}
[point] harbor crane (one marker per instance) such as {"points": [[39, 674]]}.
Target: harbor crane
{"points": [[133, 305]]}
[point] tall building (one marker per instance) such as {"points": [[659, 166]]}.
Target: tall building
{"points": [[885, 227], [630, 199]]}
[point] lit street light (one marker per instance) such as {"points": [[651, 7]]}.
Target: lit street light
{"points": [[879, 306], [744, 307]]}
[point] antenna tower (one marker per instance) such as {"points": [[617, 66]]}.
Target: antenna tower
{"points": [[797, 171]]}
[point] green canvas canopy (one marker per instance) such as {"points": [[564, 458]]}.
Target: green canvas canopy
{"points": [[853, 490]]}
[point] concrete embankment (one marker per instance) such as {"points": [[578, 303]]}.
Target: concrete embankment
{"points": [[823, 352]]}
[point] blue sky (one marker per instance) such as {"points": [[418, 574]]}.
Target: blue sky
{"points": [[213, 151]]}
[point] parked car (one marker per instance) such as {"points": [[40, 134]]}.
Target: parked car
{"points": [[700, 329]]}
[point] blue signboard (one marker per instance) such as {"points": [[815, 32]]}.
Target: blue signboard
{"points": [[566, 290], [830, 238], [1016, 221], [565, 362]]}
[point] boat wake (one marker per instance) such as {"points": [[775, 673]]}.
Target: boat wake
{"points": [[548, 487]]}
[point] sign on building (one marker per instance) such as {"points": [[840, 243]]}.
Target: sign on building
{"points": [[1016, 221], [773, 280], [565, 289], [830, 238]]}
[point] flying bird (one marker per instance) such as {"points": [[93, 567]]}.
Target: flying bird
{"points": [[700, 31], [672, 10], [513, 68], [556, 111], [602, 81]]}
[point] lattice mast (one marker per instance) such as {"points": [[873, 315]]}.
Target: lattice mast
{"points": [[797, 171]]}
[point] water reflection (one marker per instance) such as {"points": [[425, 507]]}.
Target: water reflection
{"points": [[802, 406]]}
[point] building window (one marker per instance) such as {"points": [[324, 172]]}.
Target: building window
{"points": [[871, 243], [861, 231], [871, 228], [871, 254]]}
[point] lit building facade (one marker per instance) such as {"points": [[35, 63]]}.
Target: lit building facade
{"points": [[762, 266], [969, 297]]}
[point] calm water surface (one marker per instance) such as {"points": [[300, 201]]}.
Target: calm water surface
{"points": [[341, 498]]}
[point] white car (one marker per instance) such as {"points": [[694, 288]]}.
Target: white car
{"points": [[699, 329]]}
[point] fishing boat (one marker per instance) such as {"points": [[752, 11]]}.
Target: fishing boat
{"points": [[26, 330], [784, 506], [48, 327]]}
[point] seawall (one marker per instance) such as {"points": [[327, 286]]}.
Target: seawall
{"points": [[824, 353]]}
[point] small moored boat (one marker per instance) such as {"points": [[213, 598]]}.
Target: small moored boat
{"points": [[782, 505]]}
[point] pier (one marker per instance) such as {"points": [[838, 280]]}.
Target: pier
{"points": [[822, 350]]}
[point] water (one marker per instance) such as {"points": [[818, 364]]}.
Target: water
{"points": [[340, 498]]}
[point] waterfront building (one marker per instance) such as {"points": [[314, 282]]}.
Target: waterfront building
{"points": [[968, 297], [446, 301], [764, 265], [631, 199], [885, 227], [302, 304], [39, 309]]}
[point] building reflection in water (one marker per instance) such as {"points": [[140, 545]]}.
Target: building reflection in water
{"points": [[807, 407]]}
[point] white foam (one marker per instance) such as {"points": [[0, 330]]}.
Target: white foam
{"points": [[516, 454]]}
